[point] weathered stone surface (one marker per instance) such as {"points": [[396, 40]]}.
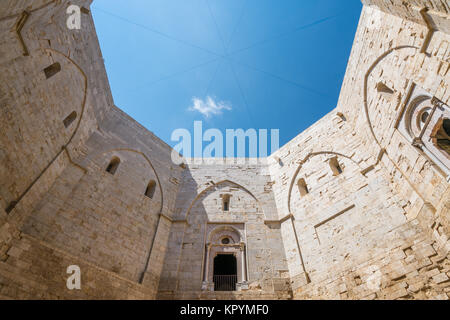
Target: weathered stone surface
{"points": [[349, 209]]}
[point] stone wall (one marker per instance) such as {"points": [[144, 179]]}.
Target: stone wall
{"points": [[60, 206], [380, 228], [199, 211], [349, 209]]}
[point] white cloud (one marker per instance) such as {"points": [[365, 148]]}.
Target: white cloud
{"points": [[209, 107]]}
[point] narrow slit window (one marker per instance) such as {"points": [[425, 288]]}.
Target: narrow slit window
{"points": [[335, 166], [51, 70], [70, 119], [302, 187], [384, 89], [113, 165], [226, 202], [150, 191], [226, 205]]}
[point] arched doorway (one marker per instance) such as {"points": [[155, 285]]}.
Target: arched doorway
{"points": [[225, 259], [225, 272]]}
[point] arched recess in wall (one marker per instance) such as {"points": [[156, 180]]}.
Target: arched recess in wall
{"points": [[300, 166], [217, 234], [36, 118], [112, 152], [367, 113], [216, 185], [78, 117], [366, 87]]}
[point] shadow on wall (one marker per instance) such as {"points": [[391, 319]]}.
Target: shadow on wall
{"points": [[223, 208], [46, 124], [107, 216]]}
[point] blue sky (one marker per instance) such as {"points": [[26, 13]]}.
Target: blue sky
{"points": [[261, 64]]}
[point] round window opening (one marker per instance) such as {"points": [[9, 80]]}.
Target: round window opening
{"points": [[424, 116], [226, 241]]}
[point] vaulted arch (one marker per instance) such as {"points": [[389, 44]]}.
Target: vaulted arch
{"points": [[215, 185], [300, 166], [218, 233], [365, 106], [27, 119]]}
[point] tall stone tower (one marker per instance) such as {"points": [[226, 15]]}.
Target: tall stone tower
{"points": [[355, 207]]}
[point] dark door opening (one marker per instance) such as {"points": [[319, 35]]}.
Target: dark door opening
{"points": [[225, 272], [443, 136]]}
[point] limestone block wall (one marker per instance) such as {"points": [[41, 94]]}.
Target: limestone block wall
{"points": [[199, 211], [437, 10], [384, 219], [106, 219], [344, 218], [34, 107], [406, 57], [349, 209], [36, 270]]}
